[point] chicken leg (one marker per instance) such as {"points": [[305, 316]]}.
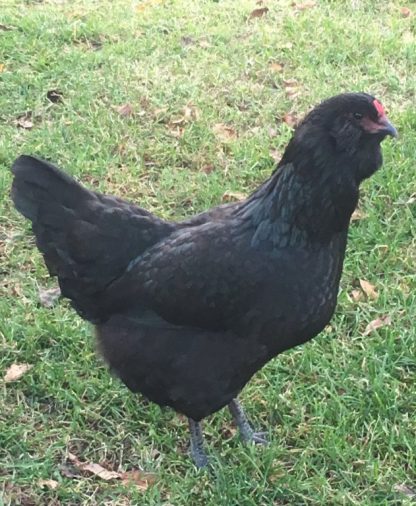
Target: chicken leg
{"points": [[197, 444], [247, 433]]}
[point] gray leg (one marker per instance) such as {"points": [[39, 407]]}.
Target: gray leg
{"points": [[197, 444], [247, 434]]}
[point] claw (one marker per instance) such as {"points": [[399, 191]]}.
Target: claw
{"points": [[259, 438], [247, 434]]}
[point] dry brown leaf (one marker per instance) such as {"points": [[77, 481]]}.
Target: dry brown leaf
{"points": [[125, 110], [276, 155], [49, 296], [230, 196], [178, 121], [176, 130], [357, 295], [190, 113], [208, 168], [204, 43], [406, 490], [405, 12], [2, 67], [258, 13], [304, 5], [141, 479], [50, 484], [16, 371], [290, 83], [93, 468], [358, 215], [187, 41], [369, 289], [377, 324], [25, 121], [276, 67], [412, 199], [146, 4], [224, 133], [272, 132], [290, 119], [292, 88]]}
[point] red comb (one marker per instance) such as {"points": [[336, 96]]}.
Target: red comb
{"points": [[379, 107]]}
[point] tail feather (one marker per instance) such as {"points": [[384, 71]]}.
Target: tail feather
{"points": [[38, 181], [86, 239]]}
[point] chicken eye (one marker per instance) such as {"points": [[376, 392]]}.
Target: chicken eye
{"points": [[358, 115]]}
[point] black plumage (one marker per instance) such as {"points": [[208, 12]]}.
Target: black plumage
{"points": [[187, 312]]}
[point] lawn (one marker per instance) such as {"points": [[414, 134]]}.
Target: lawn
{"points": [[179, 105]]}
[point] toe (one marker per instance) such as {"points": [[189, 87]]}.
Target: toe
{"points": [[260, 438]]}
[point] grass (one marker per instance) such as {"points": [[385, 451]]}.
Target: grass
{"points": [[341, 408]]}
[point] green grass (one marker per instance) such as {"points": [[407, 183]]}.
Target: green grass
{"points": [[341, 409]]}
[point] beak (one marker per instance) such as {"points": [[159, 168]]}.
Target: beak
{"points": [[384, 126]]}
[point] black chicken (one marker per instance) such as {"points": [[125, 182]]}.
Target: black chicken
{"points": [[187, 312]]}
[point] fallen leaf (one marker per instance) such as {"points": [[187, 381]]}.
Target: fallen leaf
{"points": [[405, 489], [2, 67], [208, 168], [5, 28], [291, 88], [141, 479], [16, 371], [54, 96], [204, 43], [276, 67], [187, 41], [224, 132], [276, 155], [93, 468], [369, 289], [25, 121], [146, 4], [357, 295], [50, 484], [230, 196], [125, 110], [304, 5], [272, 132], [176, 130], [290, 82], [376, 324], [49, 296], [405, 12], [258, 13], [290, 119], [190, 113], [358, 215]]}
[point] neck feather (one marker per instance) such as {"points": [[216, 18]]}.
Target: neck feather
{"points": [[309, 199]]}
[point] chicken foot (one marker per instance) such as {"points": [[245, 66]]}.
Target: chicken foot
{"points": [[247, 433]]}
